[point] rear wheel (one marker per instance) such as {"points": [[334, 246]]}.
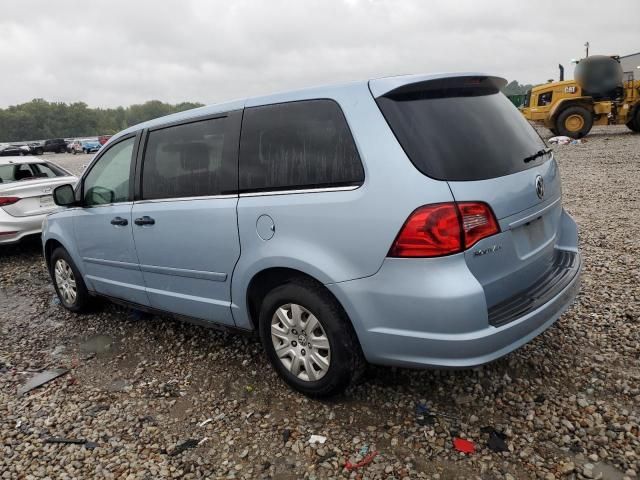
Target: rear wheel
{"points": [[634, 123], [62, 150], [309, 340], [574, 122], [68, 282]]}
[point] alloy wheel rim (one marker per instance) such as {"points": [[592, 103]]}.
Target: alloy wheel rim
{"points": [[65, 281], [574, 123], [300, 342]]}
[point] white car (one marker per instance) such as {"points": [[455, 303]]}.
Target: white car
{"points": [[26, 185]]}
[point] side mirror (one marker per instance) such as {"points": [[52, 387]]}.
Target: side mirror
{"points": [[64, 196]]}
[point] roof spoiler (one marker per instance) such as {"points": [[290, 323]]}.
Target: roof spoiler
{"points": [[418, 83]]}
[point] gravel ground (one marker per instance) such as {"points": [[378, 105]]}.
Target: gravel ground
{"points": [[139, 386]]}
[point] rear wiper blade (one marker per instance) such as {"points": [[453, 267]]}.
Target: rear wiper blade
{"points": [[539, 153]]}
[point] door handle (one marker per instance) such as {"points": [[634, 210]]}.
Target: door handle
{"points": [[121, 222], [146, 220]]}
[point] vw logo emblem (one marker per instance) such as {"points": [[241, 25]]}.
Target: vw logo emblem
{"points": [[539, 187]]}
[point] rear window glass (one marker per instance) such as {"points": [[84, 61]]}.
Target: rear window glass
{"points": [[297, 145], [191, 160], [460, 134]]}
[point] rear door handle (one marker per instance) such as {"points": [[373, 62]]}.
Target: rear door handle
{"points": [[119, 221], [144, 221]]}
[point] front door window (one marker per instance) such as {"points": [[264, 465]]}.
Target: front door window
{"points": [[108, 180]]}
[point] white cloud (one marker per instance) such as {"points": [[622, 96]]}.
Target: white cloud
{"points": [[121, 52]]}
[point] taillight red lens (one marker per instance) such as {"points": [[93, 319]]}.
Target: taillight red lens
{"points": [[8, 201], [444, 228], [430, 231], [478, 222]]}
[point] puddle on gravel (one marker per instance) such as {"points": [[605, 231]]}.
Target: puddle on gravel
{"points": [[98, 344]]}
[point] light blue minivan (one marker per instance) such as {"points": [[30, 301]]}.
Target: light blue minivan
{"points": [[414, 221]]}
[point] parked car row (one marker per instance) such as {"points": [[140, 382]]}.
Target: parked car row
{"points": [[60, 145], [54, 145], [83, 146], [7, 150]]}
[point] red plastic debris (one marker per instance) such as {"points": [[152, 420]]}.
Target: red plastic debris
{"points": [[365, 461], [464, 446]]}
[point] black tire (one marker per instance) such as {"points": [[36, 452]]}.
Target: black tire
{"points": [[62, 150], [82, 299], [346, 361], [569, 115], [39, 151], [634, 123], [73, 151], [554, 131]]}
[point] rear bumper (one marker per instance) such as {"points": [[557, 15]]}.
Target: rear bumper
{"points": [[440, 321], [22, 226]]}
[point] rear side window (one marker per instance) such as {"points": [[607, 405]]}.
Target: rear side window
{"points": [[48, 170], [191, 160], [15, 172], [297, 145], [455, 131]]}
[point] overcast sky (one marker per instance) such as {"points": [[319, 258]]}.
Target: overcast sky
{"points": [[114, 52]]}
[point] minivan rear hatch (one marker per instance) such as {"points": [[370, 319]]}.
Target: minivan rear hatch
{"points": [[463, 130]]}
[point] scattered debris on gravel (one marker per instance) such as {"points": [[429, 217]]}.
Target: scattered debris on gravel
{"points": [[149, 397]]}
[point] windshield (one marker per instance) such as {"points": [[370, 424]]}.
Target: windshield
{"points": [[460, 134]]}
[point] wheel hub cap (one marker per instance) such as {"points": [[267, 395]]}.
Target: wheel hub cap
{"points": [[65, 281], [300, 342], [574, 123]]}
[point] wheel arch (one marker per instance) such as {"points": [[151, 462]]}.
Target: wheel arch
{"points": [[49, 246], [585, 102], [267, 279]]}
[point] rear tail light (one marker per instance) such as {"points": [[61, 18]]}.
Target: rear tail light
{"points": [[443, 229], [4, 201]]}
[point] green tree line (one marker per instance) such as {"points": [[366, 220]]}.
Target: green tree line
{"points": [[515, 88], [39, 119]]}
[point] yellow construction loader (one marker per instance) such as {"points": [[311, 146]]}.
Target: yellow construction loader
{"points": [[599, 95]]}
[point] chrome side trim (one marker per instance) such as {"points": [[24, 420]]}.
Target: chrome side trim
{"points": [[112, 263], [308, 190], [183, 272], [183, 199]]}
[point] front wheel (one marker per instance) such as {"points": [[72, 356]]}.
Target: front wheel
{"points": [[309, 339], [574, 122], [68, 282]]}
